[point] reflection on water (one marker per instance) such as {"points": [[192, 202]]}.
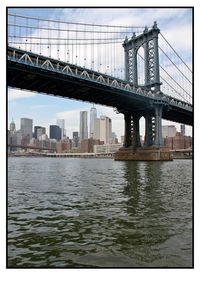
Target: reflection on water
{"points": [[101, 213]]}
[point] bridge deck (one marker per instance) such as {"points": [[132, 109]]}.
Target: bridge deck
{"points": [[45, 75]]}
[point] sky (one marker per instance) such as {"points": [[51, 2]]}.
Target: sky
{"points": [[174, 23]]}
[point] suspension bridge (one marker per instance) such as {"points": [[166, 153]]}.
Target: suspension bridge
{"points": [[132, 69]]}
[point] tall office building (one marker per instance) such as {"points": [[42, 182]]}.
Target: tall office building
{"points": [[61, 124], [182, 129], [103, 129], [26, 127], [38, 131], [41, 131], [168, 131], [93, 115], [96, 134], [35, 131], [16, 138], [12, 127], [83, 125], [55, 132], [75, 139]]}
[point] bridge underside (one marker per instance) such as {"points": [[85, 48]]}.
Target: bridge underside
{"points": [[45, 81]]}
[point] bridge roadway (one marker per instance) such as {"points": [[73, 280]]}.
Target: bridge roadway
{"points": [[29, 71]]}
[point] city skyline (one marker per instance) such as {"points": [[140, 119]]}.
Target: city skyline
{"points": [[69, 132], [36, 127]]}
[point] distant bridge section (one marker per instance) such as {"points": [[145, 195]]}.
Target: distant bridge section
{"points": [[30, 147]]}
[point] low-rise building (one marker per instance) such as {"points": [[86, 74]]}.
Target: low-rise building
{"points": [[178, 142], [88, 144], [107, 148]]}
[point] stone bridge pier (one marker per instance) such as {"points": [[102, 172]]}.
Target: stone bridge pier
{"points": [[152, 148]]}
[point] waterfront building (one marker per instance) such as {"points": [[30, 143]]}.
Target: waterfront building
{"points": [[52, 144], [107, 148], [178, 142], [83, 125], [88, 145], [64, 145], [26, 127], [103, 129], [93, 116], [169, 131], [75, 139], [55, 132], [61, 124]]}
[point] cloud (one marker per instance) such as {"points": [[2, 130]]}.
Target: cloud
{"points": [[179, 37], [41, 106], [14, 94]]}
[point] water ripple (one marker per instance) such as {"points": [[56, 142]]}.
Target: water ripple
{"points": [[99, 213]]}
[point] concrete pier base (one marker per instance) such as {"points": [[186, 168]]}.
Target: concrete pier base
{"points": [[143, 154]]}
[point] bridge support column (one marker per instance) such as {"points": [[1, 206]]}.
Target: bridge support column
{"points": [[148, 130], [158, 125], [127, 135], [135, 131], [153, 149], [132, 131]]}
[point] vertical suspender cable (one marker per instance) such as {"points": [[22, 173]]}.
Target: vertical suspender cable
{"points": [[48, 46], [76, 45], [58, 39], [67, 43]]}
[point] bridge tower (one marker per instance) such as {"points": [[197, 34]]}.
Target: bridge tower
{"points": [[148, 40]]}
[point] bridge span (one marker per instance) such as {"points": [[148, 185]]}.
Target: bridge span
{"points": [[33, 72]]}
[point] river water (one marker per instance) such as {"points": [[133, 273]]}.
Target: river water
{"points": [[65, 212]]}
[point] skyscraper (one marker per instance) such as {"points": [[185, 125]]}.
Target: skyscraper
{"points": [[26, 127], [61, 124], [38, 131], [41, 131], [55, 132], [83, 125], [103, 129], [182, 129], [12, 127], [75, 139], [93, 115]]}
